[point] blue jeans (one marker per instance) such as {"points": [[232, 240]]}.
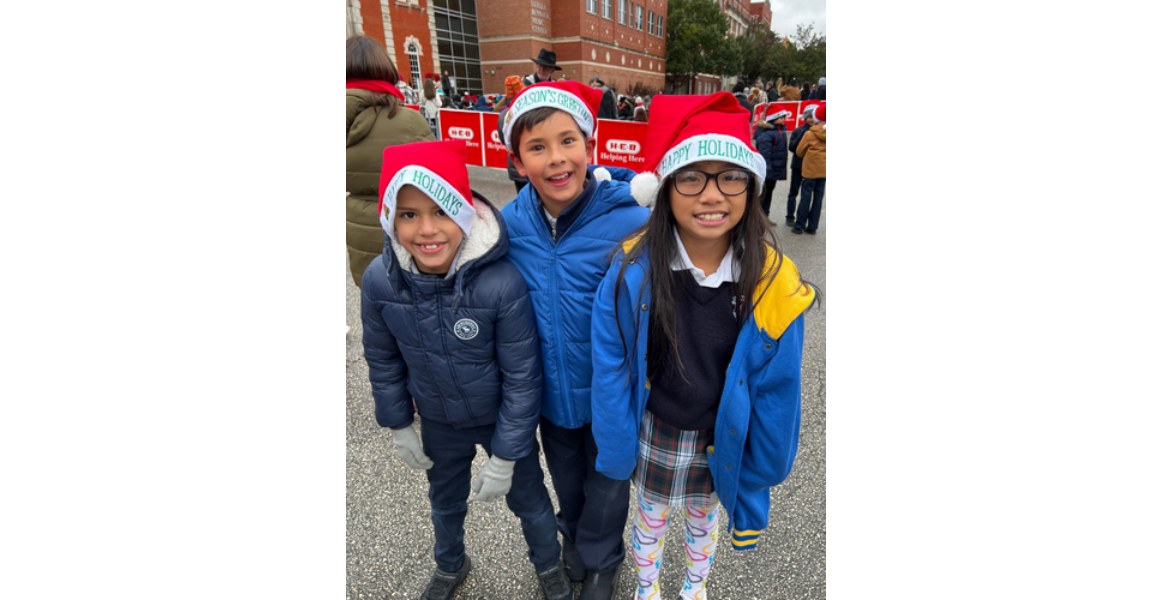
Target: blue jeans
{"points": [[809, 213], [452, 451]]}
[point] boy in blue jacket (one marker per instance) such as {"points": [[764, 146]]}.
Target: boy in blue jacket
{"points": [[563, 226], [771, 145], [447, 323]]}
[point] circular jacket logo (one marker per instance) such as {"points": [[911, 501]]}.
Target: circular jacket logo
{"points": [[466, 329]]}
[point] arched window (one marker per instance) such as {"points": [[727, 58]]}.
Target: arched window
{"points": [[416, 75]]}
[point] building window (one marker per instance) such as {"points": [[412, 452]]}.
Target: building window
{"points": [[660, 34], [606, 9], [416, 75], [639, 18], [459, 43], [651, 22], [592, 6], [622, 12], [631, 12]]}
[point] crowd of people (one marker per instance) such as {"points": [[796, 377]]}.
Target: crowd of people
{"points": [[604, 311]]}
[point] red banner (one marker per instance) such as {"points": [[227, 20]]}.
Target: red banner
{"points": [[621, 144], [758, 114], [464, 125], [806, 103], [495, 153]]}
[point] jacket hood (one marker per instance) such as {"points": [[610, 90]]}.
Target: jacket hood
{"points": [[364, 121], [486, 243], [607, 196], [818, 131]]}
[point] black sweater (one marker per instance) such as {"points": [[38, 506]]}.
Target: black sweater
{"points": [[707, 335]]}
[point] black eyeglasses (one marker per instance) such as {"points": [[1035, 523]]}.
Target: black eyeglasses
{"points": [[730, 182]]}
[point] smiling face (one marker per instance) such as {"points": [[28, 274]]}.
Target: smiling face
{"points": [[544, 72], [710, 214], [553, 154], [426, 231]]}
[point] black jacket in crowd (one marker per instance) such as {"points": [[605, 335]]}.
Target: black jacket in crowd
{"points": [[795, 138], [608, 109]]}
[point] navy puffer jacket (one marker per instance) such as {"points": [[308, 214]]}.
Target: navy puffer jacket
{"points": [[465, 348], [772, 147]]}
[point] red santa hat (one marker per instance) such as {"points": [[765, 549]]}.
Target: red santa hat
{"points": [[810, 110], [437, 169], [578, 99], [689, 129], [776, 110]]}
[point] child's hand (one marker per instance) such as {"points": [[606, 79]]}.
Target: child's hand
{"points": [[493, 481], [409, 448]]}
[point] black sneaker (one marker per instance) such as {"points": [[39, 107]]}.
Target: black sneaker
{"points": [[811, 231], [796, 230], [443, 584], [575, 568], [555, 584], [600, 586], [789, 221]]}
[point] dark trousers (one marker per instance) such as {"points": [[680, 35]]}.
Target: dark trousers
{"points": [[767, 195], [452, 451], [795, 186], [593, 515], [809, 213]]}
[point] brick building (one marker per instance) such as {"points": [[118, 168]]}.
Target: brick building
{"points": [[405, 27], [481, 42], [761, 12], [621, 41]]}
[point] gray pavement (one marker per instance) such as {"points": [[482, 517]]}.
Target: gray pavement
{"points": [[388, 526]]}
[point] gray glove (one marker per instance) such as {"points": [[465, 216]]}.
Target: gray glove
{"points": [[409, 448], [493, 481]]}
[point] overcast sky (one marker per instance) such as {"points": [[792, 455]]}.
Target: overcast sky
{"points": [[788, 14]]}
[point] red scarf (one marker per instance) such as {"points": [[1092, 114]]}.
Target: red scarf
{"points": [[375, 85]]}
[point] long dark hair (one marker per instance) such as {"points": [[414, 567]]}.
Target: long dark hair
{"points": [[656, 238], [367, 59]]}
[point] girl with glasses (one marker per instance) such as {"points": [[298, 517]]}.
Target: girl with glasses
{"points": [[697, 334]]}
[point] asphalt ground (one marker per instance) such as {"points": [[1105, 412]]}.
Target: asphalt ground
{"points": [[388, 525]]}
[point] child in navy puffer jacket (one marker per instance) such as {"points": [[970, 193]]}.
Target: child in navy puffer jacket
{"points": [[447, 322], [772, 147]]}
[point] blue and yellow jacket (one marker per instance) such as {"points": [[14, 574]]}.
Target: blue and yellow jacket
{"points": [[756, 434]]}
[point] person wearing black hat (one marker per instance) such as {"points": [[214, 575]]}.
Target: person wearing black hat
{"points": [[609, 108], [546, 65]]}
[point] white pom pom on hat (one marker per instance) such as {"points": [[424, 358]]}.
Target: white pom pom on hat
{"points": [[644, 187]]}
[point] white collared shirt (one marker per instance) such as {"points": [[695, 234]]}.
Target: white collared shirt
{"points": [[727, 271]]}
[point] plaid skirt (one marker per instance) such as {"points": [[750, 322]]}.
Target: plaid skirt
{"points": [[672, 468]]}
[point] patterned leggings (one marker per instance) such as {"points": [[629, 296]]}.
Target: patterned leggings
{"points": [[647, 533]]}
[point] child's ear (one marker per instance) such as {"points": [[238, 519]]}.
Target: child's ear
{"points": [[590, 149], [517, 164]]}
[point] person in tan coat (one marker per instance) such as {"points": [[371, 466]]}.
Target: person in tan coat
{"points": [[375, 119], [812, 150], [789, 93]]}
